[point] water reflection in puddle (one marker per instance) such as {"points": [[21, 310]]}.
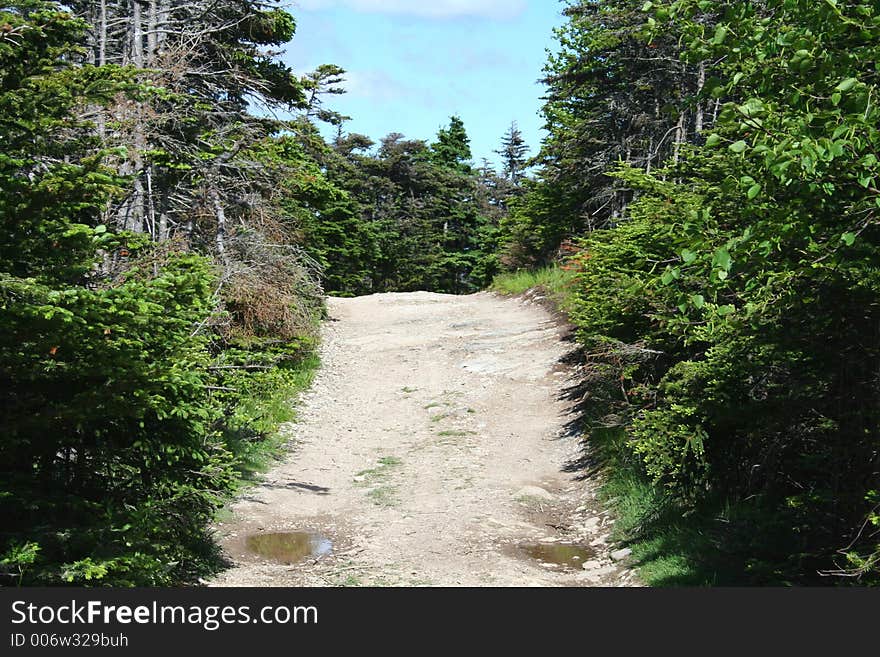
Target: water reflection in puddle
{"points": [[289, 547], [568, 556]]}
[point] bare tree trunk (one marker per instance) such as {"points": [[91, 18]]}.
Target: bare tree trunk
{"points": [[151, 206], [97, 17], [102, 34], [137, 217], [92, 18], [137, 37], [701, 83], [151, 54], [220, 214], [681, 126], [152, 30], [163, 226], [679, 137]]}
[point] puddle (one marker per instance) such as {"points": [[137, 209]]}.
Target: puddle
{"points": [[289, 547], [561, 554]]}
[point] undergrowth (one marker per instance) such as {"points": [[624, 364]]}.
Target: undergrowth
{"points": [[671, 545], [554, 281], [255, 435]]}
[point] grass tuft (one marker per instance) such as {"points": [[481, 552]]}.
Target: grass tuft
{"points": [[554, 281], [257, 439]]}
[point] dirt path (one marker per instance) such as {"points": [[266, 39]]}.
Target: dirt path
{"points": [[430, 451]]}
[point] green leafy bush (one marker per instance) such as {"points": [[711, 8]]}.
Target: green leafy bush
{"points": [[730, 316], [118, 406]]}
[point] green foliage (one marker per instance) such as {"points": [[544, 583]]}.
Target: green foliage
{"points": [[51, 168], [538, 223], [128, 375], [325, 216], [403, 218], [729, 314], [257, 385], [612, 96], [513, 153], [323, 80], [21, 556], [452, 148], [555, 281]]}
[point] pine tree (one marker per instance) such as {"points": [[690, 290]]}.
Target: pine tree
{"points": [[323, 81], [452, 148], [513, 153], [108, 461], [186, 139]]}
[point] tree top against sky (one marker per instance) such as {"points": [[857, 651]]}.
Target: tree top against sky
{"points": [[410, 66]]}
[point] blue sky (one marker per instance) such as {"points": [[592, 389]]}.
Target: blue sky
{"points": [[413, 63]]}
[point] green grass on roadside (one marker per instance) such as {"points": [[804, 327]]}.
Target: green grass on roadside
{"points": [[554, 281], [663, 542], [259, 441], [671, 546]]}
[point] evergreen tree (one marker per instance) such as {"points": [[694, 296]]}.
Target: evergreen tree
{"points": [[110, 466], [186, 144], [130, 365], [410, 217], [513, 154], [613, 95], [452, 148], [324, 80]]}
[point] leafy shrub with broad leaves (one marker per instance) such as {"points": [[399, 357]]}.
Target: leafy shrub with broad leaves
{"points": [[732, 317]]}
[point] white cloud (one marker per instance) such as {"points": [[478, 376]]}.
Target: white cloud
{"points": [[378, 87], [440, 9], [375, 86]]}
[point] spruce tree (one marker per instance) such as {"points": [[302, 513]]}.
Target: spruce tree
{"points": [[513, 153], [452, 148]]}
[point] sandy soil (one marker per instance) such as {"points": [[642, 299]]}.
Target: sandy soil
{"points": [[431, 450]]}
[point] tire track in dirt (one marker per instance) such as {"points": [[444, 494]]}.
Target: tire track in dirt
{"points": [[431, 450]]}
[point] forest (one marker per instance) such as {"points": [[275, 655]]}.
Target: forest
{"points": [[703, 208]]}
